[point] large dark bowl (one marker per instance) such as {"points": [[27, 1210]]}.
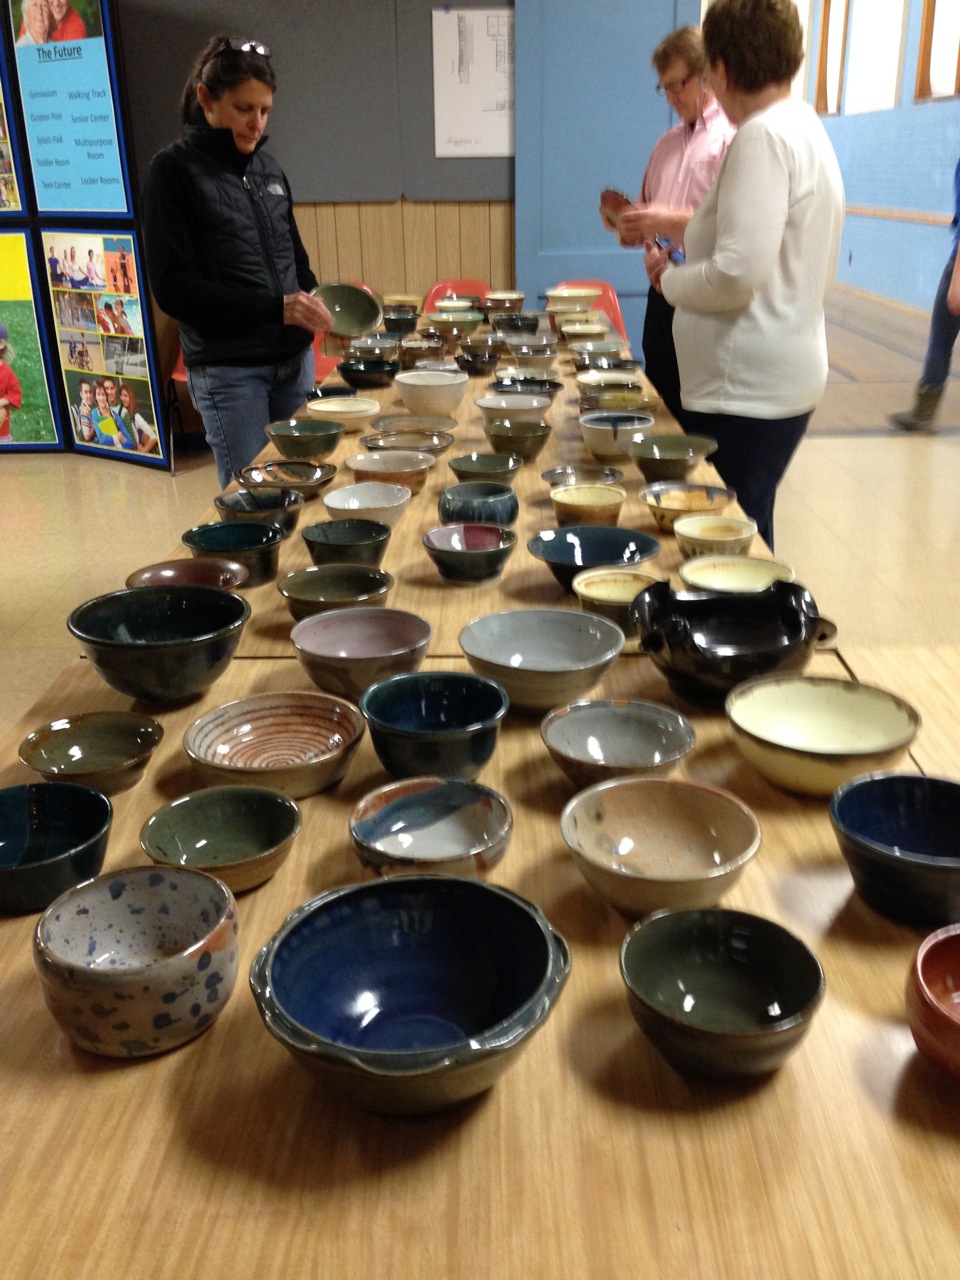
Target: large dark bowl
{"points": [[368, 374], [53, 835], [707, 642], [514, 322], [254, 543], [898, 835], [582, 546], [347, 541], [410, 993], [478, 363], [281, 507], [160, 644], [304, 439]]}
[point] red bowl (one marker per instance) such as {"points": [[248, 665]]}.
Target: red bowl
{"points": [[933, 998]]}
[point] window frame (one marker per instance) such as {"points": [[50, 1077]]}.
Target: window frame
{"points": [[922, 91]]}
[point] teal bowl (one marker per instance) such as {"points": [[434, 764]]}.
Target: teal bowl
{"points": [[254, 543]]}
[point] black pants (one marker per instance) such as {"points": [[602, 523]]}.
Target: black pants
{"points": [[659, 355], [752, 457]]}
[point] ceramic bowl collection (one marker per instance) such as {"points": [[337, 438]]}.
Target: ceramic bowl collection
{"points": [[419, 439], [408, 1019], [365, 375], [718, 992], [524, 439], [434, 722], [107, 750], [160, 644], [705, 644], [669, 500], [438, 394], [611, 592], [605, 432], [542, 657], [393, 466], [347, 650], [334, 586], [897, 834], [478, 502], [304, 440], [348, 541], [587, 503], [500, 468], [733, 573], [52, 835], [932, 1008], [714, 535], [580, 473], [586, 546], [444, 826], [668, 457], [158, 945], [469, 552], [352, 412], [198, 571], [281, 507], [254, 543], [593, 741], [515, 408], [645, 844], [297, 743], [812, 733], [307, 478], [371, 500], [241, 835]]}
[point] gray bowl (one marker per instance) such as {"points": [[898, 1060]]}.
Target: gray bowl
{"points": [[592, 741]]}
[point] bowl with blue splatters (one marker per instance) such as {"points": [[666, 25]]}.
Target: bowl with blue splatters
{"points": [[138, 961]]}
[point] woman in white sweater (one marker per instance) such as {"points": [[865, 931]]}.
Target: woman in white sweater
{"points": [[761, 252]]}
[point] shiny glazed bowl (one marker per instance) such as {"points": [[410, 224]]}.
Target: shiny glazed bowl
{"points": [[478, 502], [196, 571], [585, 473], [668, 500], [281, 507], [714, 535], [812, 733], [410, 1019], [347, 650], [932, 1008], [297, 743], [648, 843], [431, 826], [307, 478], [898, 836], [350, 411], [53, 835], [393, 466], [733, 573], [542, 657], [303, 439], [160, 945], [419, 439], [616, 737], [160, 644], [576, 547], [106, 750], [469, 552], [587, 503], [515, 408], [348, 541], [720, 993], [524, 438], [334, 586], [371, 500], [606, 431], [668, 457], [611, 591], [352, 309], [367, 374], [253, 543], [499, 468]]}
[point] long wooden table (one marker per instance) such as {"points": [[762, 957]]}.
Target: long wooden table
{"points": [[591, 1157]]}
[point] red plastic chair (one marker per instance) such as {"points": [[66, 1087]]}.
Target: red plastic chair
{"points": [[323, 365], [608, 301], [473, 288], [178, 374]]}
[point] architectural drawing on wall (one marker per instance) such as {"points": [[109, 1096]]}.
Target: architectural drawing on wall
{"points": [[473, 59]]}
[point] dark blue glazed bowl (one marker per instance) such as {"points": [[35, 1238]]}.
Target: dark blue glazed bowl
{"points": [[254, 543], [367, 374], [161, 644], [281, 507], [410, 993], [443, 722], [53, 835], [898, 835], [584, 546], [469, 552], [347, 541], [478, 502]]}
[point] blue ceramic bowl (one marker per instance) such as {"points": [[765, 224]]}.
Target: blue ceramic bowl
{"points": [[161, 644], [410, 993], [478, 502], [469, 552], [898, 835], [53, 835], [253, 543], [347, 541], [444, 722], [281, 507], [584, 546]]}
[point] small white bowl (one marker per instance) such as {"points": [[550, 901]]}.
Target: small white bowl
{"points": [[604, 431], [353, 411], [714, 535], [738, 574], [370, 500], [427, 393], [516, 408]]}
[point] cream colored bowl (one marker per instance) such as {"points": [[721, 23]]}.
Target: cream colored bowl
{"points": [[611, 591], [587, 503], [353, 411], [703, 535], [572, 297], [733, 573]]}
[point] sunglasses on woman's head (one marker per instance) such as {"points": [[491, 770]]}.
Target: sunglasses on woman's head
{"points": [[238, 46]]}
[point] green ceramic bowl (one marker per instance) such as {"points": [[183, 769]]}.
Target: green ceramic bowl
{"points": [[354, 310], [107, 750], [304, 439], [333, 586]]}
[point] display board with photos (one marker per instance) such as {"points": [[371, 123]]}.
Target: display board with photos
{"points": [[102, 342], [27, 419], [12, 202]]}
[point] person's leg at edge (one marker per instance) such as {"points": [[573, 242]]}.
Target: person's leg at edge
{"points": [[944, 329], [659, 353], [234, 403], [293, 384], [752, 456]]}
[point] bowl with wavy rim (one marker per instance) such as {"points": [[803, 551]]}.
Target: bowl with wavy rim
{"points": [[469, 552], [478, 502], [605, 432], [733, 573], [303, 439], [160, 644], [420, 439], [669, 500], [368, 374], [932, 1008], [370, 500], [524, 439], [429, 722], [714, 535], [442, 826], [392, 466], [195, 571], [812, 733], [611, 591], [353, 310], [53, 835], [647, 844], [431, 987], [106, 750], [435, 394], [158, 947], [347, 650], [576, 547], [668, 457], [720, 993], [254, 543], [580, 473], [297, 743], [320, 587], [281, 507], [592, 741], [347, 541], [241, 835], [500, 468], [897, 834], [351, 412], [587, 503], [307, 478], [542, 657]]}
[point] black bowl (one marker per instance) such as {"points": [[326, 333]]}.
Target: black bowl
{"points": [[366, 374], [585, 546], [477, 363], [514, 322], [53, 835], [254, 543], [531, 386], [347, 541]]}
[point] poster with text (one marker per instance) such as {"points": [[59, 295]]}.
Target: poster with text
{"points": [[26, 414], [98, 314], [69, 106]]}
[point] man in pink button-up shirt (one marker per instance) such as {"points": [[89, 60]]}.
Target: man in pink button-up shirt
{"points": [[681, 169]]}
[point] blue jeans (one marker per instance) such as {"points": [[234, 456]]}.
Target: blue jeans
{"points": [[237, 401], [943, 334]]}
